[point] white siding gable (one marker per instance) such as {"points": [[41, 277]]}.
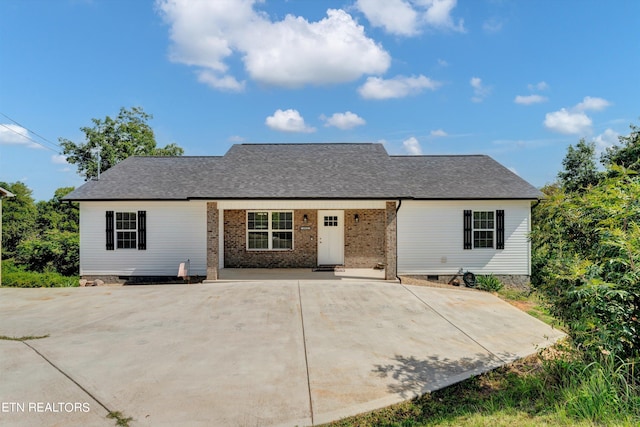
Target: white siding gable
{"points": [[430, 238], [176, 231]]}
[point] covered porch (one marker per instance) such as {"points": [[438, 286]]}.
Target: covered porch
{"points": [[259, 238]]}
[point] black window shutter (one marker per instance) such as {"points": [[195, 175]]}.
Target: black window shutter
{"points": [[109, 230], [468, 231], [500, 229], [142, 230]]}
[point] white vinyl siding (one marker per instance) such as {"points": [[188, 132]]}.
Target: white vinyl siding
{"points": [[176, 231], [431, 238]]}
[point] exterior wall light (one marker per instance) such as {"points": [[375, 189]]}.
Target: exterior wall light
{"points": [[305, 218], [356, 218]]}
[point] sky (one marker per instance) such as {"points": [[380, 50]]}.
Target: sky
{"points": [[519, 80]]}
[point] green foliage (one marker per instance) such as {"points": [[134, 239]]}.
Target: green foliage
{"points": [[627, 154], [586, 260], [42, 237], [488, 283], [18, 217], [127, 135], [580, 170], [17, 276], [58, 215], [52, 251]]}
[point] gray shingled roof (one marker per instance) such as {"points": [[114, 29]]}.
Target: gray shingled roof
{"points": [[307, 171]]}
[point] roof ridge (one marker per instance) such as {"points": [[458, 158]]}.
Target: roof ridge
{"points": [[309, 143], [439, 155], [175, 157]]}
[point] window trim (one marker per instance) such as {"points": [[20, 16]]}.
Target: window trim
{"points": [[498, 239], [270, 230], [134, 230], [140, 230], [492, 229]]}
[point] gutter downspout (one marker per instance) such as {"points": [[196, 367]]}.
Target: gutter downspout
{"points": [[397, 209]]}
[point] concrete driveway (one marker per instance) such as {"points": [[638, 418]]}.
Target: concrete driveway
{"points": [[245, 354]]}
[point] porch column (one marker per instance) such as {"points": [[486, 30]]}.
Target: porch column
{"points": [[212, 241], [390, 241]]}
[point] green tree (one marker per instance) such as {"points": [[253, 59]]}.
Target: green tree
{"points": [[586, 256], [627, 154], [55, 214], [54, 245], [580, 169], [18, 217], [127, 135]]}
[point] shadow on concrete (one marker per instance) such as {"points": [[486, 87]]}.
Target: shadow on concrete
{"points": [[412, 377]]}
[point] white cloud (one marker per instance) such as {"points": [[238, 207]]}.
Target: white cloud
{"points": [[514, 170], [538, 86], [288, 121], [408, 17], [236, 138], [574, 120], [59, 159], [412, 146], [395, 16], [442, 63], [606, 139], [291, 52], [592, 104], [568, 122], [530, 99], [13, 134], [480, 92], [492, 25], [438, 133], [397, 87], [228, 83], [438, 14], [344, 121]]}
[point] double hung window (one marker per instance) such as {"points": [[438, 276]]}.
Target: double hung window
{"points": [[483, 229], [126, 230], [269, 230]]}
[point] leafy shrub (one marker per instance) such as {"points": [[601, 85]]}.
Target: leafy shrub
{"points": [[15, 276], [488, 283], [53, 251], [586, 250]]}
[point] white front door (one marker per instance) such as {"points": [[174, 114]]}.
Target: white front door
{"points": [[330, 237]]}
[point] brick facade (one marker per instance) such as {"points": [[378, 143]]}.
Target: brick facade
{"points": [[212, 241], [303, 254], [391, 241], [365, 241]]}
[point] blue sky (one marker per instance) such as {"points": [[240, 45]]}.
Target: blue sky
{"points": [[518, 80]]}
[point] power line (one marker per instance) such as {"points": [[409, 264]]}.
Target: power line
{"points": [[28, 137], [56, 146]]}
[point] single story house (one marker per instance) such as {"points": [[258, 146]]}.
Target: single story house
{"points": [[305, 205]]}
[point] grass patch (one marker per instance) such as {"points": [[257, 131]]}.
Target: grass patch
{"points": [[25, 338], [531, 303], [120, 419]]}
